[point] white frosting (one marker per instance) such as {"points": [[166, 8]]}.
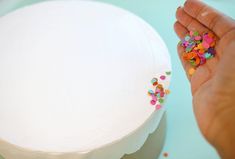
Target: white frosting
{"points": [[75, 76]]}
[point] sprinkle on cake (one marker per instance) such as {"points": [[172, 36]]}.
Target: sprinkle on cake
{"points": [[159, 92]]}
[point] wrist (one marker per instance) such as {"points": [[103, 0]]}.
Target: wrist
{"points": [[224, 139]]}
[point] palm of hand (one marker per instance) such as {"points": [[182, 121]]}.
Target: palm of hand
{"points": [[211, 90]]}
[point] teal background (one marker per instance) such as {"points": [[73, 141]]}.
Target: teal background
{"points": [[184, 140]]}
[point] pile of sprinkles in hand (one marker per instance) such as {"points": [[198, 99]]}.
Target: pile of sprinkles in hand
{"points": [[198, 48], [159, 93]]}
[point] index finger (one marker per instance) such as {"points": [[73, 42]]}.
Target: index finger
{"points": [[219, 23]]}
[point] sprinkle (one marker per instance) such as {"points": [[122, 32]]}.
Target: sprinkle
{"points": [[205, 45], [159, 92], [154, 80], [211, 51], [168, 73], [191, 71], [158, 106], [153, 102], [198, 48], [207, 55], [161, 100], [154, 97], [167, 91], [165, 154], [187, 38], [162, 94], [196, 33], [162, 77], [150, 92], [159, 86], [198, 38]]}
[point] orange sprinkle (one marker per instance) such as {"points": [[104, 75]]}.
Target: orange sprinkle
{"points": [[197, 60], [165, 154], [167, 91], [191, 71], [211, 35], [201, 51], [185, 56]]}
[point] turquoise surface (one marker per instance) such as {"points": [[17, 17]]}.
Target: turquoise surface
{"points": [[184, 140]]}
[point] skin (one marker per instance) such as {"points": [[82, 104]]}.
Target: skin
{"points": [[212, 84]]}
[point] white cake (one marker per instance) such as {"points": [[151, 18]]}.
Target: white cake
{"points": [[74, 77]]}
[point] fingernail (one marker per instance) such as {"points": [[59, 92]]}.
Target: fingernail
{"points": [[185, 2], [179, 7]]}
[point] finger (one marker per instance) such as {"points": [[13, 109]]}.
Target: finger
{"points": [[189, 22], [180, 30], [185, 64], [224, 42], [201, 75], [211, 18]]}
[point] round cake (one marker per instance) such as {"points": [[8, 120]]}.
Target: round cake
{"points": [[74, 81]]}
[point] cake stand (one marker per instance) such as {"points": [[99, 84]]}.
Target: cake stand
{"points": [[74, 82]]}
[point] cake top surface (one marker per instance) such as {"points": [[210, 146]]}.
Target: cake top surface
{"points": [[75, 75]]}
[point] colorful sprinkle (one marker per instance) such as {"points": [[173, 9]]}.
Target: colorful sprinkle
{"points": [[153, 102], [191, 71], [150, 92], [168, 73], [167, 91], [158, 106], [161, 100], [159, 92], [162, 77], [154, 81], [198, 48], [165, 154]]}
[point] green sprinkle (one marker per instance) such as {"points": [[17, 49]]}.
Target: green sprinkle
{"points": [[196, 33], [168, 73], [161, 100], [188, 49], [192, 62]]}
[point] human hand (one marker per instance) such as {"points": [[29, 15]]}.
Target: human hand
{"points": [[212, 84]]}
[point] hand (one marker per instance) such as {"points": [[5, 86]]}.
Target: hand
{"points": [[212, 84]]}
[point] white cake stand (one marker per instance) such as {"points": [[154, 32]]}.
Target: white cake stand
{"points": [[74, 82]]}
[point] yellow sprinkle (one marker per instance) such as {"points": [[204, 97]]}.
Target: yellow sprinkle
{"points": [[191, 71], [167, 91]]}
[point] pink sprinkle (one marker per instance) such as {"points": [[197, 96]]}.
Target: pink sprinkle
{"points": [[153, 102], [162, 77], [205, 45], [186, 43], [157, 90], [191, 33], [162, 94], [198, 38], [158, 106], [154, 97], [208, 40]]}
